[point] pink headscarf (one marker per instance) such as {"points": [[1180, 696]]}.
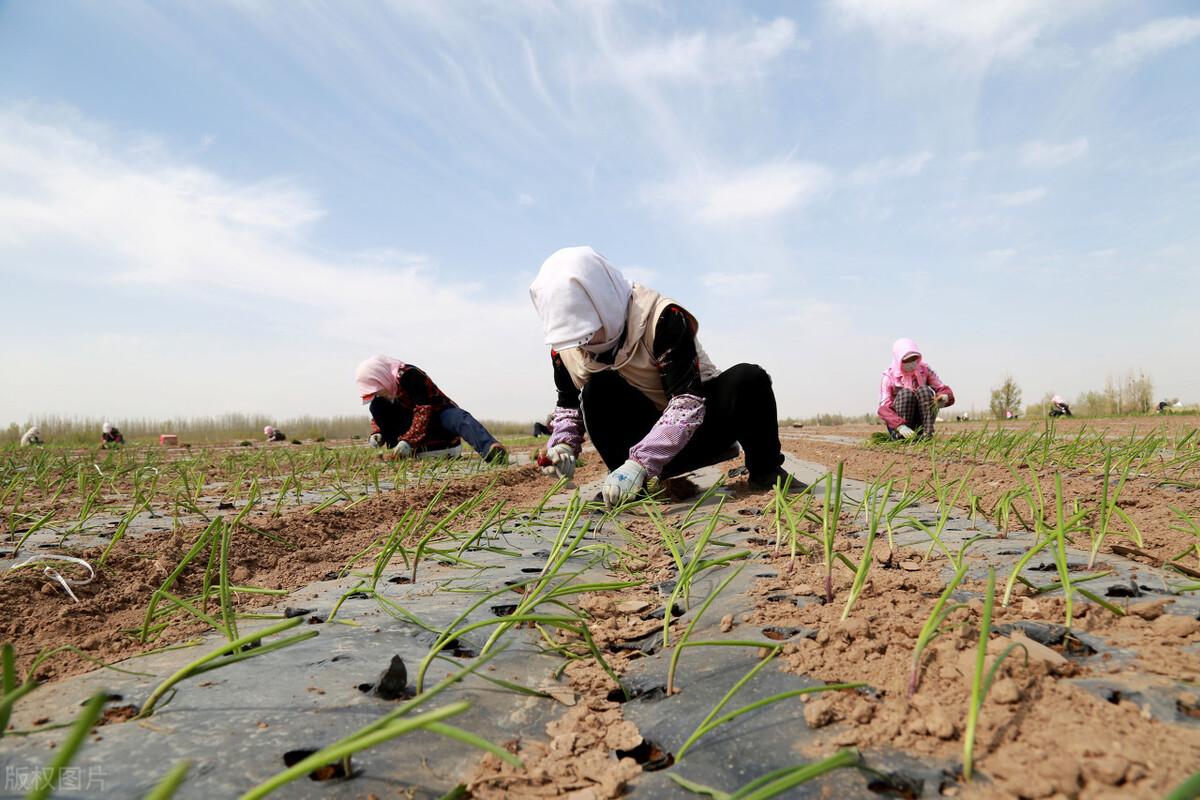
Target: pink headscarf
{"points": [[378, 375], [268, 431], [1057, 400], [901, 349]]}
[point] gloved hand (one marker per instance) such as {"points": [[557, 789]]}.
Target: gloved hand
{"points": [[402, 450], [561, 460], [622, 483], [375, 440], [942, 400], [904, 431]]}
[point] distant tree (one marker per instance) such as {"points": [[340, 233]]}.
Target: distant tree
{"points": [[1091, 404], [1140, 392], [1006, 397]]}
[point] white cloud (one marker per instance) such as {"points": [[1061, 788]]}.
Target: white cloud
{"points": [[1021, 198], [978, 29], [754, 192], [524, 199], [1047, 154], [887, 168], [1154, 37], [159, 224], [705, 57]]}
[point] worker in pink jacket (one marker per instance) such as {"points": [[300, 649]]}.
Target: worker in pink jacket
{"points": [[911, 393]]}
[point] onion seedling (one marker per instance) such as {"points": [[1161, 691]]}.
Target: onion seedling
{"points": [[687, 632], [932, 627], [388, 727], [1188, 525], [233, 652], [874, 502], [169, 785], [776, 782], [946, 503], [1188, 790], [1108, 508], [712, 721], [688, 569], [980, 683], [830, 514]]}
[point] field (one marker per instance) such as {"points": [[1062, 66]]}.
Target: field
{"points": [[1004, 612]]}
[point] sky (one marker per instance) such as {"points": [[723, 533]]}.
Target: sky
{"points": [[224, 206]]}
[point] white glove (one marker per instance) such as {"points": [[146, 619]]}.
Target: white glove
{"points": [[563, 458], [375, 440], [402, 450], [622, 483], [904, 431], [942, 400]]}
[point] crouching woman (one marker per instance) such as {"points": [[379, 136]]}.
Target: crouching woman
{"points": [[413, 417], [631, 374], [911, 393]]}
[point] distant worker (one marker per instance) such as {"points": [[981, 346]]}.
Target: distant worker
{"points": [[413, 417], [632, 376], [911, 393], [1059, 407], [273, 434], [32, 437], [1164, 406], [110, 436]]}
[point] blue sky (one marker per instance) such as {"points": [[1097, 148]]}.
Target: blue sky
{"points": [[224, 206]]}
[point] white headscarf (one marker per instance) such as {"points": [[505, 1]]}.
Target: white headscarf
{"points": [[578, 294], [106, 427]]}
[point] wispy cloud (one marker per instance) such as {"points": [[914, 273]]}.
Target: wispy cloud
{"points": [[754, 192], [887, 168], [1021, 198], [1048, 154], [1130, 47], [166, 225], [709, 57], [977, 30]]}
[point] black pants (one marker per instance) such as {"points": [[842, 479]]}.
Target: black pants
{"points": [[739, 407]]}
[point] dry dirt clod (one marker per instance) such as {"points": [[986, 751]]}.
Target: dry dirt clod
{"points": [[1176, 625], [726, 623], [1148, 610], [1005, 691], [623, 735], [819, 713], [854, 628], [938, 723], [1108, 769]]}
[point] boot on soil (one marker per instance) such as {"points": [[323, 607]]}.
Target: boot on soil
{"points": [[780, 477]]}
